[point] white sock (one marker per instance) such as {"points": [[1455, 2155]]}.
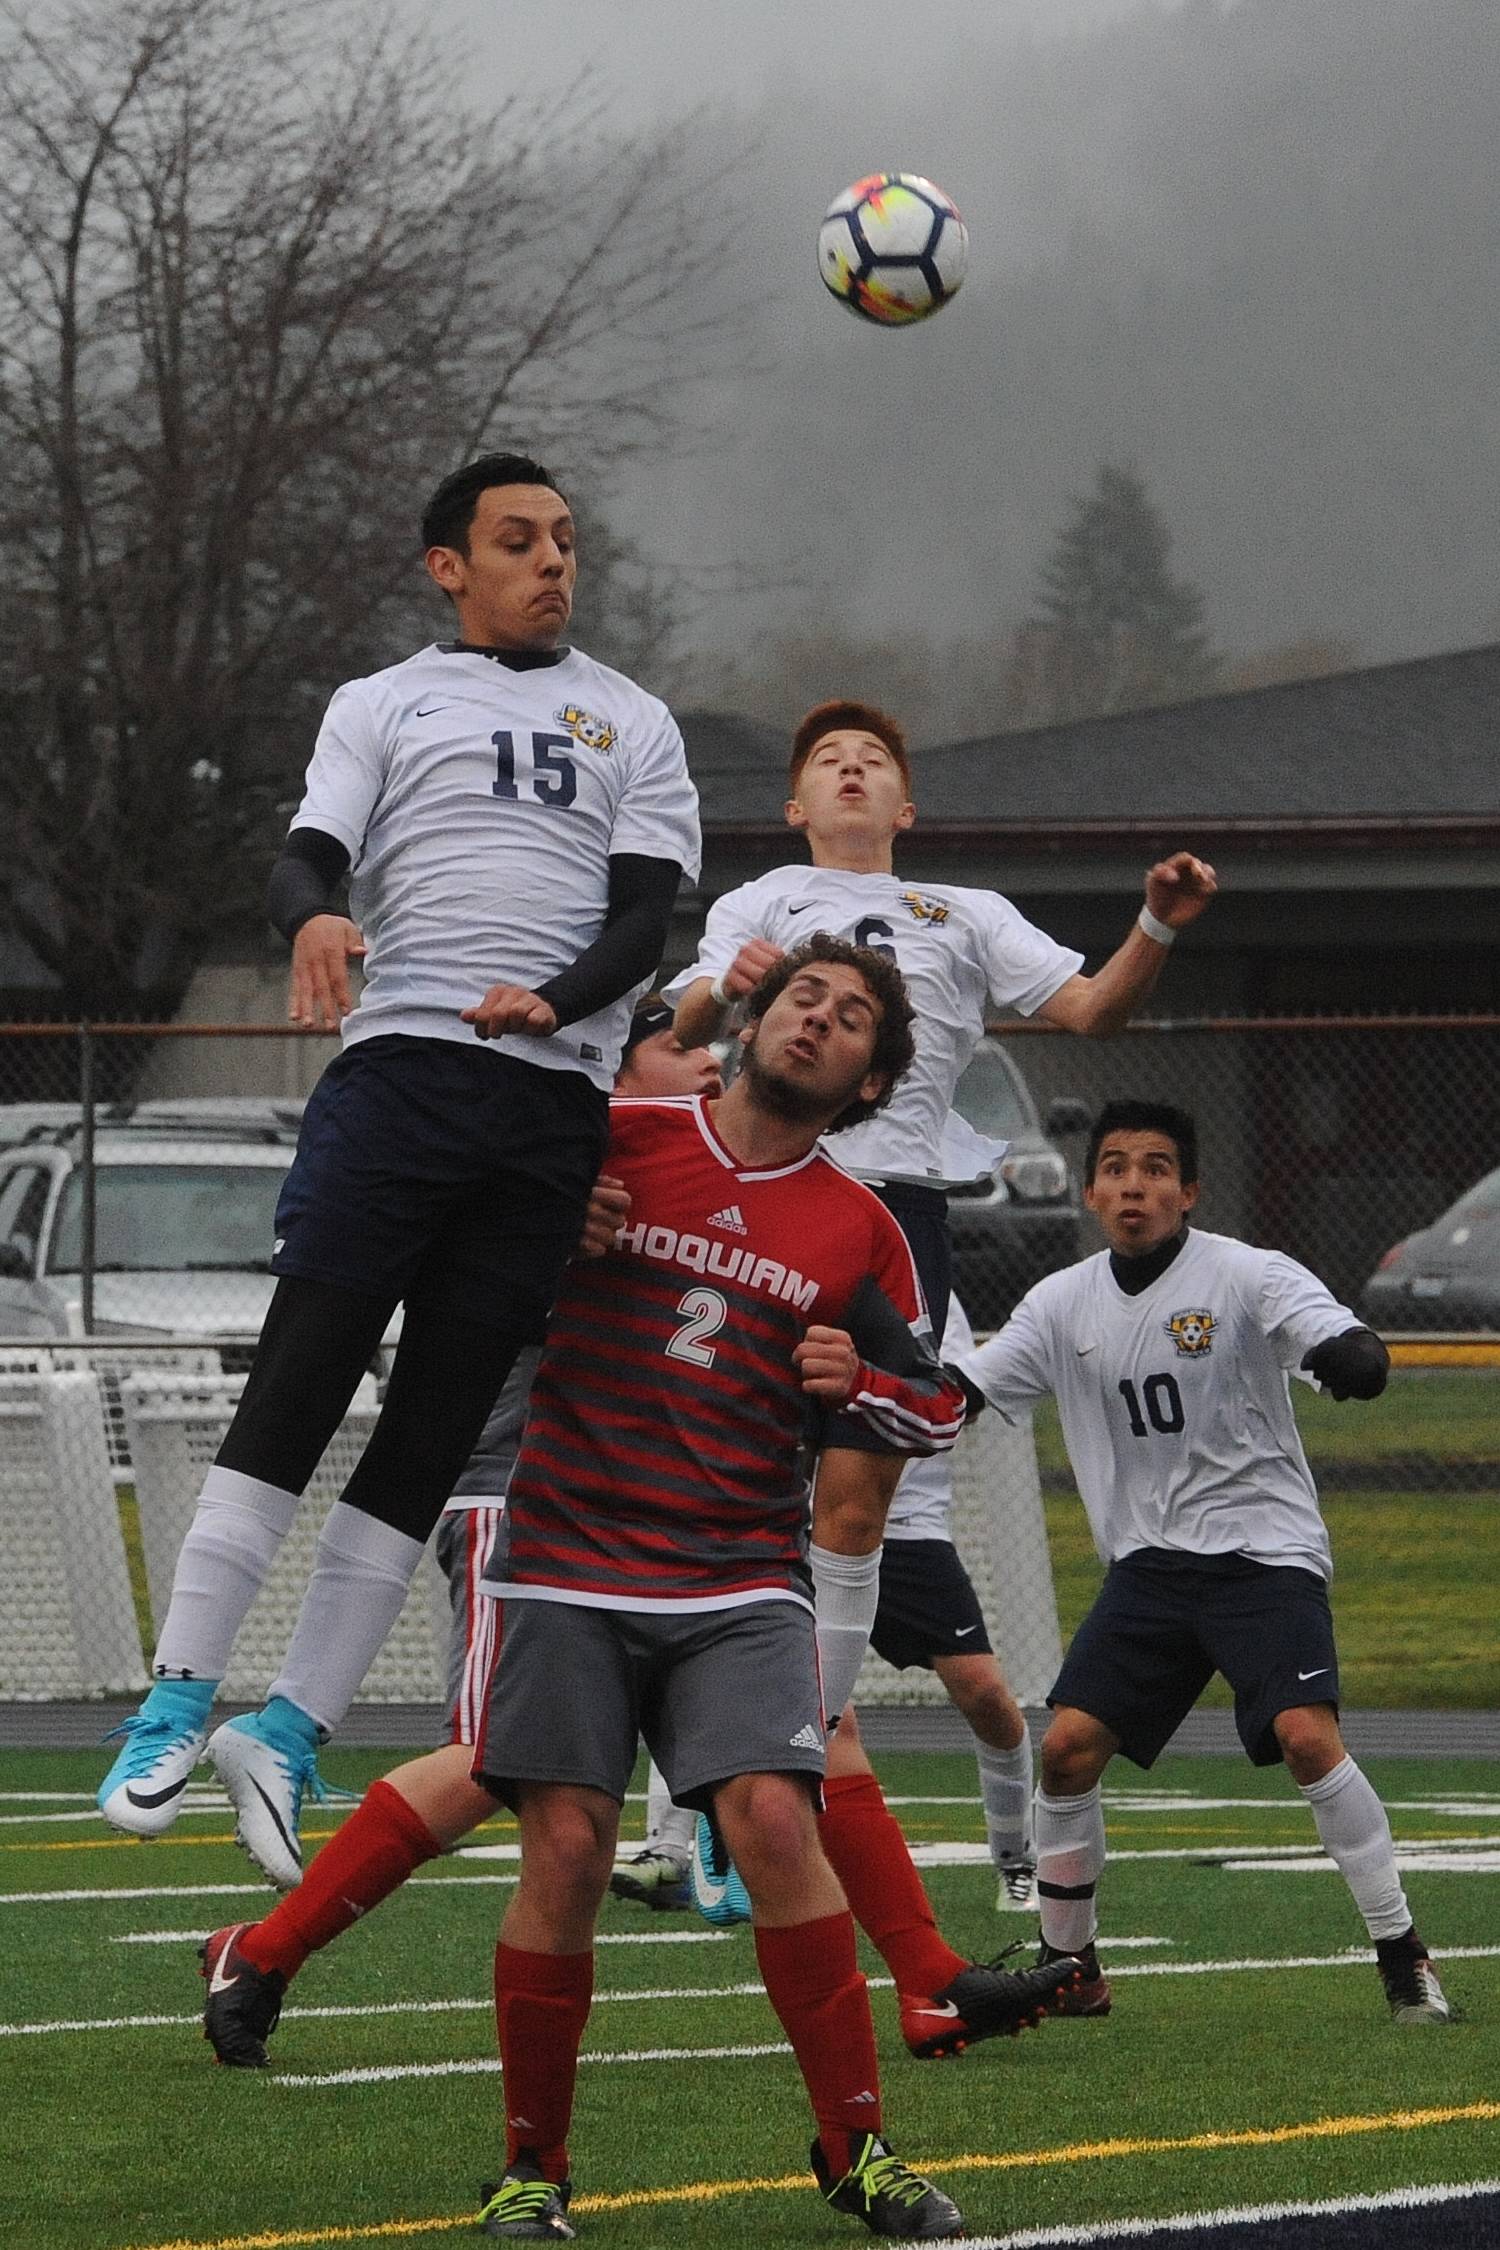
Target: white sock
{"points": [[669, 1827], [1005, 1781], [1069, 1862], [221, 1566], [1356, 1835], [847, 1588], [353, 1598]]}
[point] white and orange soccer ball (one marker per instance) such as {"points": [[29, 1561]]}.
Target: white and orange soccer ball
{"points": [[893, 248]]}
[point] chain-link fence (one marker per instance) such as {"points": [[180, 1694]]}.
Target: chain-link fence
{"points": [[139, 1167], [139, 1164]]}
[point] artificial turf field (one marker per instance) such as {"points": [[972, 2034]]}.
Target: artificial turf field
{"points": [[1275, 2076]]}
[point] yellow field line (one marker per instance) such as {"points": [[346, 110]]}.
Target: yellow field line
{"points": [[714, 2191]]}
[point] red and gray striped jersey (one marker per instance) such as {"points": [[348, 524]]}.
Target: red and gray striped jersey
{"points": [[661, 1465]]}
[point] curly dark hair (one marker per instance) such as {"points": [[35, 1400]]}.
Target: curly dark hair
{"points": [[894, 1044]]}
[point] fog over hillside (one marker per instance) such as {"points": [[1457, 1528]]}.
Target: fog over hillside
{"points": [[1251, 248]]}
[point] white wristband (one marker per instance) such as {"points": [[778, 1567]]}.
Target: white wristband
{"points": [[719, 994], [1162, 932]]}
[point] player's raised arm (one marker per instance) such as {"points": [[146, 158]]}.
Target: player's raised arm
{"points": [[708, 1000], [1177, 891], [898, 1386], [1012, 1369]]}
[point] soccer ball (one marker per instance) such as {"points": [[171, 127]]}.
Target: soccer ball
{"points": [[893, 248]]}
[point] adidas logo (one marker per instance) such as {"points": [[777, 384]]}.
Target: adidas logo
{"points": [[806, 1738], [731, 1219]]}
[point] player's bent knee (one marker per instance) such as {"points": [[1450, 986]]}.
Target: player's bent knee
{"points": [[1075, 1751], [1310, 1741], [768, 1824], [568, 1842]]}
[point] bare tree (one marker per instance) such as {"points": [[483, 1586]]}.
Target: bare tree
{"points": [[264, 277]]}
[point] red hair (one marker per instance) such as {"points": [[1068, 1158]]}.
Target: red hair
{"points": [[841, 717]]}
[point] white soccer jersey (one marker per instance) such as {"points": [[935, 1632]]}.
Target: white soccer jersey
{"points": [[961, 953], [480, 806], [1175, 1403], [923, 1501]]}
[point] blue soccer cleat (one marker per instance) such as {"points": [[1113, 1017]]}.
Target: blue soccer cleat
{"points": [[142, 1792], [266, 1761], [718, 1893]]}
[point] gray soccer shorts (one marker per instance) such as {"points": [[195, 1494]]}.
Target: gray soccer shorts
{"points": [[715, 1693]]}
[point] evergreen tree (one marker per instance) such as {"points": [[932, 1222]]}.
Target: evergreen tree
{"points": [[1113, 629]]}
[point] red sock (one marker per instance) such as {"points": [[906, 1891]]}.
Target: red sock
{"points": [[812, 1977], [368, 1858], [541, 2006], [867, 1852]]}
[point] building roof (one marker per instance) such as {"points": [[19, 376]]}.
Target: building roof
{"points": [[1405, 748]]}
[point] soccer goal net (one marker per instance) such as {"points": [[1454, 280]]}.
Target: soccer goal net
{"points": [[100, 1469]]}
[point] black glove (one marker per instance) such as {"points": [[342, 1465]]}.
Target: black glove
{"points": [[1354, 1365]]}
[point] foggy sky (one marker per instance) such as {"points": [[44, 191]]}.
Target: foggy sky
{"points": [[1250, 248]]}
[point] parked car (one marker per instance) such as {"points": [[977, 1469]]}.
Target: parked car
{"points": [[1448, 1274], [1025, 1220], [185, 1196]]}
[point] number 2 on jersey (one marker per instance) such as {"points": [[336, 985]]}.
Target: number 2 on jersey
{"points": [[705, 1312], [552, 778]]}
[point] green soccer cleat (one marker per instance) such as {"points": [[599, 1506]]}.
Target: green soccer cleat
{"points": [[652, 1878], [527, 2208], [888, 2195]]}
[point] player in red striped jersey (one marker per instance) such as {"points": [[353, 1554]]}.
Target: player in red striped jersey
{"points": [[657, 1553]]}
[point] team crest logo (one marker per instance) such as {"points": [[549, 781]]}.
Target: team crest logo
{"points": [[1192, 1332], [924, 909], [593, 733]]}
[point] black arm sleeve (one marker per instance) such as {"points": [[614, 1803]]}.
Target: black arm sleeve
{"points": [[974, 1398], [1354, 1365], [310, 869], [629, 947]]}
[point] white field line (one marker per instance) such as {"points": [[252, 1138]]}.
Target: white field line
{"points": [[1352, 1958], [1462, 1859], [601, 1937], [483, 2006], [488, 2066], [1412, 1854], [1189, 2222], [261, 1891]]}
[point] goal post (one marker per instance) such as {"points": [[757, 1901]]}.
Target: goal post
{"points": [[1000, 1531]]}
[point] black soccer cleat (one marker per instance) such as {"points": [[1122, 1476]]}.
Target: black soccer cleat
{"points": [[525, 2207], [888, 2195], [1412, 1991], [985, 2001], [1090, 1997], [243, 2006]]}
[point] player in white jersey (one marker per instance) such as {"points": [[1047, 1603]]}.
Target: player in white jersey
{"points": [[516, 820], [1170, 1355], [962, 952]]}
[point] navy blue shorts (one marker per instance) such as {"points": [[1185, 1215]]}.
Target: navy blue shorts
{"points": [[430, 1170], [922, 1215], [1163, 1624], [928, 1606]]}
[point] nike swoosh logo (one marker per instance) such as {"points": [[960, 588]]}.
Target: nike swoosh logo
{"points": [[432, 710], [218, 1982], [959, 1631], [805, 908], [1082, 1348], [1314, 1674], [282, 1831], [945, 2009], [148, 1799]]}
